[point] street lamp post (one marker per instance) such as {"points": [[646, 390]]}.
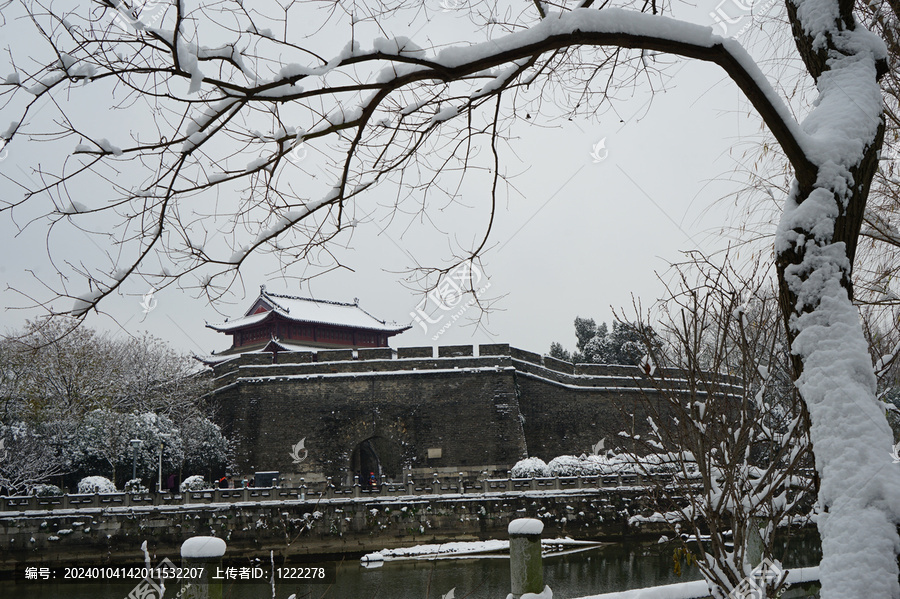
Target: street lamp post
{"points": [[162, 440], [135, 443]]}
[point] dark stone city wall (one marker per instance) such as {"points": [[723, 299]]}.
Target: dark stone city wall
{"points": [[467, 411], [441, 409], [564, 418], [296, 529]]}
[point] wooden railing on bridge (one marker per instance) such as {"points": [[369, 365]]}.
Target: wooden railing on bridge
{"points": [[327, 490]]}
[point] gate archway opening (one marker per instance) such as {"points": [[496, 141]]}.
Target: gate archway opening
{"points": [[376, 460]]}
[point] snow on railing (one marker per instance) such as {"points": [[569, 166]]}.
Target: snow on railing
{"points": [[326, 490]]}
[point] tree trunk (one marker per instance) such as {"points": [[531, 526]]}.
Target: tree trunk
{"points": [[815, 247]]}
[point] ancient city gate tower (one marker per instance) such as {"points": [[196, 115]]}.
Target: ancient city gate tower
{"points": [[301, 370]]}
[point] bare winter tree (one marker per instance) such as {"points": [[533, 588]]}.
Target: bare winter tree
{"points": [[235, 93], [725, 414], [57, 372]]}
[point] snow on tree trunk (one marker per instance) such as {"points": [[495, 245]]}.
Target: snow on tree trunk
{"points": [[851, 441], [815, 246]]}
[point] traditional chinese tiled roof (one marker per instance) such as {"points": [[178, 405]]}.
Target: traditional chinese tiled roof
{"points": [[304, 309]]}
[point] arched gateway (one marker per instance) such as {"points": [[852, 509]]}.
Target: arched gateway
{"points": [[375, 460]]}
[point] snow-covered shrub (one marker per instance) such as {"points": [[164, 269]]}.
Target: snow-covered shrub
{"points": [[570, 465], [529, 468], [653, 463], [566, 465], [47, 491], [598, 464], [194, 483], [136, 487], [96, 484]]}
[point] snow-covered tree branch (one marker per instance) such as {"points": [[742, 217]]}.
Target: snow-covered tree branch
{"points": [[725, 412], [387, 102]]}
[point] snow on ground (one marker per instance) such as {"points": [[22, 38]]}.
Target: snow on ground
{"points": [[697, 588], [545, 594], [656, 517], [435, 550], [463, 548]]}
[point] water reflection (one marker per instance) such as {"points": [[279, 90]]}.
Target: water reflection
{"points": [[607, 568]]}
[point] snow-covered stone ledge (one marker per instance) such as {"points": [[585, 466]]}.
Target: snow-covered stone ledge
{"points": [[434, 487], [697, 589]]}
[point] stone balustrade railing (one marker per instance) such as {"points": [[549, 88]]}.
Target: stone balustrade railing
{"points": [[326, 490]]}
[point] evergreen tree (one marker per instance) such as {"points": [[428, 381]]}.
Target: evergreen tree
{"points": [[597, 345], [559, 352], [585, 331]]}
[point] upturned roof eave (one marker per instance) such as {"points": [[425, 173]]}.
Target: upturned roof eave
{"points": [[234, 325]]}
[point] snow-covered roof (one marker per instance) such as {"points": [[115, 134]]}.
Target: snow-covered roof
{"points": [[270, 347], [304, 309], [285, 346]]}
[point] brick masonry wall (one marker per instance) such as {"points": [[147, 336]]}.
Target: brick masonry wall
{"points": [[466, 408], [490, 407], [560, 420]]}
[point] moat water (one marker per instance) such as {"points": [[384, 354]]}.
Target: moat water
{"points": [[608, 568]]}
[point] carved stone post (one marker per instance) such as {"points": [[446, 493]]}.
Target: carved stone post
{"points": [[526, 572]]}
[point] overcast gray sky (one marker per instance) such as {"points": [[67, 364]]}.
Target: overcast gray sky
{"points": [[580, 231]]}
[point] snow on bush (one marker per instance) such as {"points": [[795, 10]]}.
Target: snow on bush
{"points": [[529, 468], [136, 487], [194, 483], [95, 484], [593, 465], [569, 465], [47, 491]]}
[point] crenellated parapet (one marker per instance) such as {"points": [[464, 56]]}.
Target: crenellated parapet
{"points": [[421, 360]]}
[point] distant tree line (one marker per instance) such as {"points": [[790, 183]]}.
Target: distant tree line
{"points": [[72, 400]]}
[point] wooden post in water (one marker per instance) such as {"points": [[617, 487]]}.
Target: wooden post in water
{"points": [[526, 572]]}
